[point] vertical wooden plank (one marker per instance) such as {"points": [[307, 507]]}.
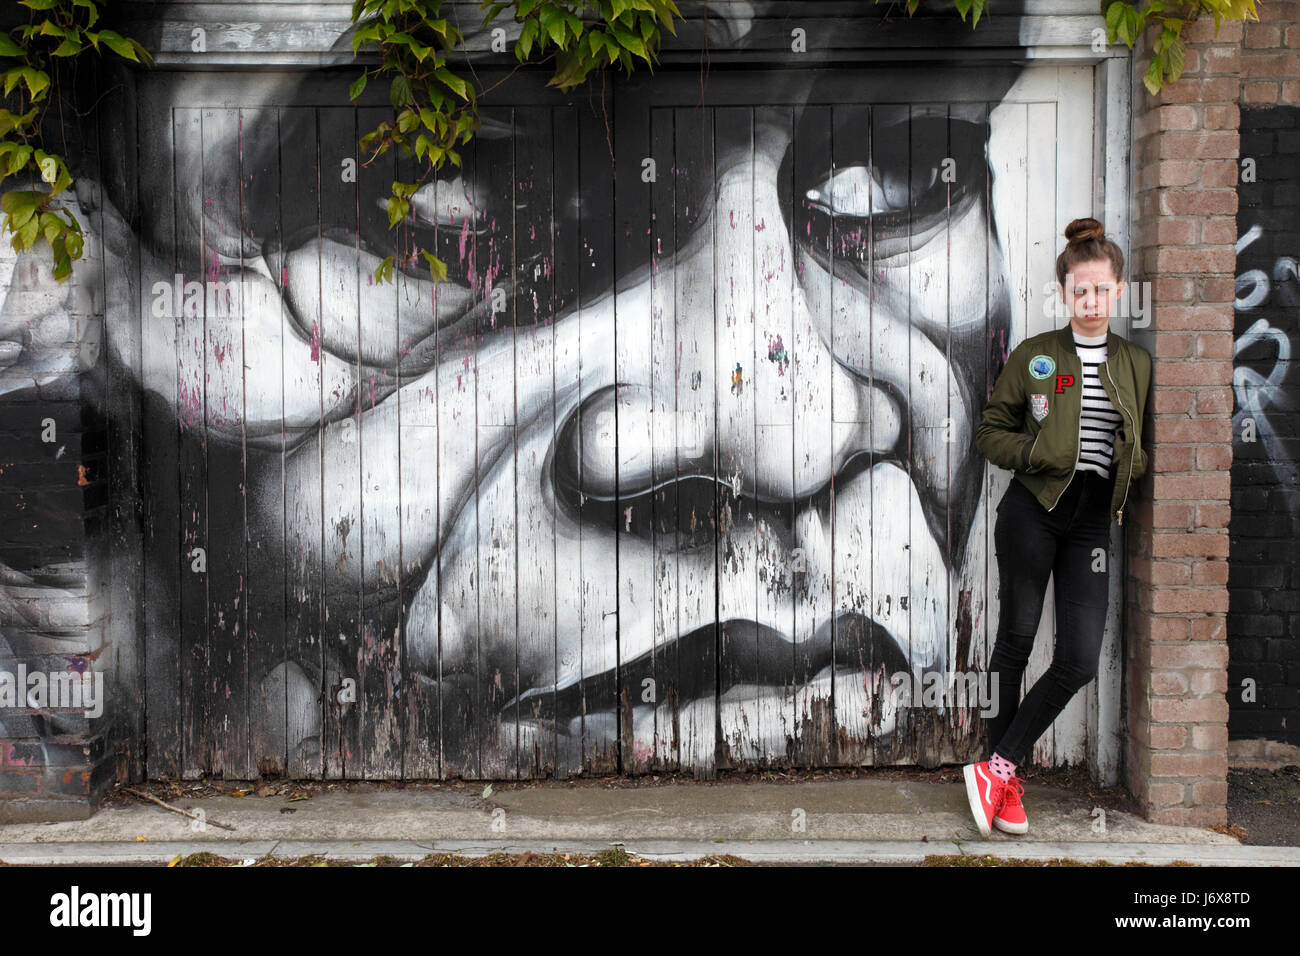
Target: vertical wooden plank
{"points": [[1074, 188], [341, 466], [535, 410], [302, 178], [1009, 197], [654, 723], [263, 344], [419, 315], [733, 265], [633, 437], [812, 370], [498, 585], [695, 653], [379, 662], [1113, 100], [191, 393], [224, 426], [774, 324], [598, 554], [932, 416], [571, 190], [857, 327], [160, 416], [1046, 235], [457, 608], [117, 294], [980, 282]]}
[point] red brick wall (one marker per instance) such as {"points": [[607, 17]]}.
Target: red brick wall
{"points": [[1185, 148]]}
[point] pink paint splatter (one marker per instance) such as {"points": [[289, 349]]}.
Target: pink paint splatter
{"points": [[315, 342], [776, 353]]}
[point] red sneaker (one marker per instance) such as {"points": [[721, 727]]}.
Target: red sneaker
{"points": [[984, 791], [1010, 817]]}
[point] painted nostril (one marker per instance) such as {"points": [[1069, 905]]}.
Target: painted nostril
{"points": [[588, 450]]}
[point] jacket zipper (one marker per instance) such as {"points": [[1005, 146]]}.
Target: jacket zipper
{"points": [[1132, 450]]}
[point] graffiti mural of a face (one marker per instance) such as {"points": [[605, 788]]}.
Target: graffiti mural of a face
{"points": [[814, 287]]}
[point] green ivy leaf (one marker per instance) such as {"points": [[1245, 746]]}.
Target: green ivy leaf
{"points": [[358, 87], [26, 235], [12, 78], [1174, 58], [1151, 80], [397, 210], [51, 226], [453, 82], [437, 268], [8, 47], [118, 45], [524, 45], [20, 206], [399, 93], [68, 47], [19, 159], [93, 11], [37, 80]]}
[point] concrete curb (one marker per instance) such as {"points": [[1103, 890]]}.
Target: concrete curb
{"points": [[761, 851]]}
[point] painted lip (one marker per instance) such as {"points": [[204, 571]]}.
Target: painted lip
{"points": [[763, 657]]}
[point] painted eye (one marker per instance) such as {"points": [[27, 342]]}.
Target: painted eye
{"points": [[887, 189], [854, 191]]}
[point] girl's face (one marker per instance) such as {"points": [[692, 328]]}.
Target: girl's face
{"points": [[1090, 293]]}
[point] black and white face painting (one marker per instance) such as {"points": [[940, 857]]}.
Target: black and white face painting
{"points": [[674, 470]]}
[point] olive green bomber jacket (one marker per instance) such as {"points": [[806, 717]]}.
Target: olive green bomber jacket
{"points": [[1031, 422]]}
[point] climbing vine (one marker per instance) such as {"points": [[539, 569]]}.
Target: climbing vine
{"points": [[31, 56], [435, 106], [1127, 22]]}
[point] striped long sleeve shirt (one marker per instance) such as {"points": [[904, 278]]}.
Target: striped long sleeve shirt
{"points": [[1098, 418]]}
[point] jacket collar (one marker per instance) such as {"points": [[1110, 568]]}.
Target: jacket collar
{"points": [[1065, 336]]}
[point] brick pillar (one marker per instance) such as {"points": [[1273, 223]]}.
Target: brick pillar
{"points": [[1176, 600]]}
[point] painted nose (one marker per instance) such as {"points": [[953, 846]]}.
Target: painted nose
{"points": [[729, 319]]}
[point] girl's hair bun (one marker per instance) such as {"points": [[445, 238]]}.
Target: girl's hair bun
{"points": [[1082, 230], [1088, 243]]}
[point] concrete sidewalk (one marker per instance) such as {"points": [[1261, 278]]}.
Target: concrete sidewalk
{"points": [[863, 820]]}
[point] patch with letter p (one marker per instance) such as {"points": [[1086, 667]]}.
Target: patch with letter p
{"points": [[1038, 406]]}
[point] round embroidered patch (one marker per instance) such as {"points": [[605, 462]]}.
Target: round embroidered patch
{"points": [[1041, 366]]}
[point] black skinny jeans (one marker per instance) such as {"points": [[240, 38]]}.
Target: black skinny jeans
{"points": [[1032, 543]]}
